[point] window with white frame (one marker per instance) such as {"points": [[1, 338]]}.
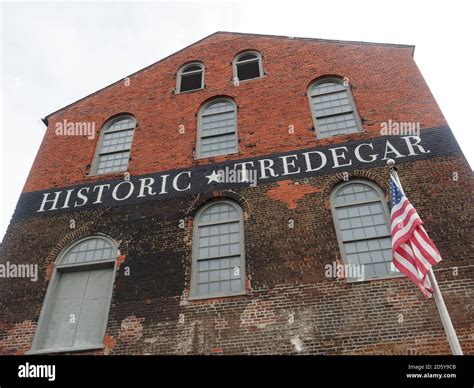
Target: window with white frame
{"points": [[218, 251], [247, 65], [361, 219], [217, 128], [333, 108], [115, 143], [190, 77], [74, 314]]}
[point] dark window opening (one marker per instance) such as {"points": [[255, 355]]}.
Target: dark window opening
{"points": [[191, 82], [248, 70]]}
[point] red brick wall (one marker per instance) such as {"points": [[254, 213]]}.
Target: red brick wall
{"points": [[289, 306], [386, 84]]}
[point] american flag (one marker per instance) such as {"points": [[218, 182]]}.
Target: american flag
{"points": [[413, 252]]}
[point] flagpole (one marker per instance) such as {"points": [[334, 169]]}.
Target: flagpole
{"points": [[445, 318], [443, 311]]}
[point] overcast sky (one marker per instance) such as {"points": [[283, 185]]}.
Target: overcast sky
{"points": [[55, 53]]}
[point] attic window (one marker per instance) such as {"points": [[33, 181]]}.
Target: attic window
{"points": [[190, 77], [248, 65]]}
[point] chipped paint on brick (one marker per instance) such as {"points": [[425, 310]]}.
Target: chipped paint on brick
{"points": [[49, 271], [120, 261], [297, 344], [290, 192], [131, 329], [109, 344], [258, 314], [221, 322]]}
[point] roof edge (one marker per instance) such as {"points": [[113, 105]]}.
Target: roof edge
{"points": [[395, 45], [45, 119]]}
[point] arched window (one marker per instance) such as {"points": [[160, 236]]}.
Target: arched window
{"points": [[115, 143], [217, 128], [247, 65], [361, 219], [333, 108], [74, 314], [218, 251], [190, 77]]}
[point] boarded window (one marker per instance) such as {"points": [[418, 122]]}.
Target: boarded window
{"points": [[75, 312]]}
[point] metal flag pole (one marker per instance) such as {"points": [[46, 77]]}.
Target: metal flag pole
{"points": [[443, 311]]}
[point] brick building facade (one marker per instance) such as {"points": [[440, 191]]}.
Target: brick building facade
{"points": [[272, 290]]}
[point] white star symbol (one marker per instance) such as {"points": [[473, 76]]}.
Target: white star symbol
{"points": [[214, 177]]}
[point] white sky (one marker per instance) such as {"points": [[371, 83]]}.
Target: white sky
{"points": [[55, 53]]}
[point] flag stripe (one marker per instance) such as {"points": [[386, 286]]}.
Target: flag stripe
{"points": [[404, 233], [423, 264], [401, 211], [408, 213], [427, 252], [429, 246], [400, 260]]}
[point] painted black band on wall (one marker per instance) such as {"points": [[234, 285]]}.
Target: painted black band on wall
{"points": [[368, 153]]}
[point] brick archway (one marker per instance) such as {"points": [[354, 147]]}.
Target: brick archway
{"points": [[332, 181]]}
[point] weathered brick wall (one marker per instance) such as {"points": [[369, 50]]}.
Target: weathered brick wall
{"points": [[290, 306]]}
